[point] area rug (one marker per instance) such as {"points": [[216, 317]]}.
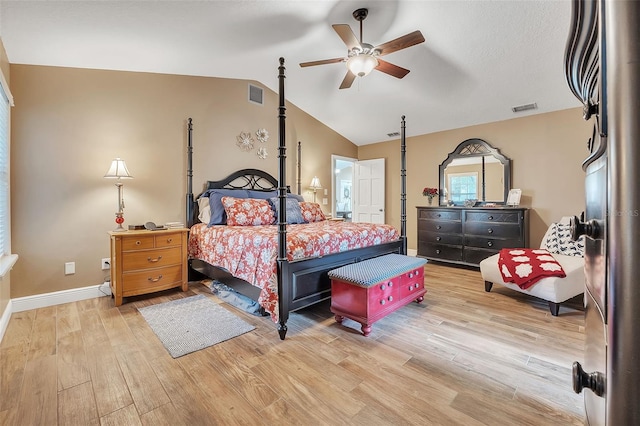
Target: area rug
{"points": [[193, 323]]}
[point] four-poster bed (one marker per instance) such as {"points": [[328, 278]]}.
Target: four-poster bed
{"points": [[299, 278]]}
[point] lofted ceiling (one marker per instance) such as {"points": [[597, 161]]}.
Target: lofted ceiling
{"points": [[480, 58]]}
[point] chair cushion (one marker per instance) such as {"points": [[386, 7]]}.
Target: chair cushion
{"points": [[552, 289]]}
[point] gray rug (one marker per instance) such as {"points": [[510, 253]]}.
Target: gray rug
{"points": [[193, 323]]}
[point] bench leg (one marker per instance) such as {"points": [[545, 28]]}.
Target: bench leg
{"points": [[487, 286], [339, 319], [366, 329], [554, 308], [420, 299]]}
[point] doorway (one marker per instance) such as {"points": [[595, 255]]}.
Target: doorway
{"points": [[341, 186]]}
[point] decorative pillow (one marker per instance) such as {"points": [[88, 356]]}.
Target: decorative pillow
{"points": [[218, 214], [294, 214], [558, 240], [312, 212], [204, 210], [247, 211]]}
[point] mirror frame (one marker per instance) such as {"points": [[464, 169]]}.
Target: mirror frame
{"points": [[477, 148]]}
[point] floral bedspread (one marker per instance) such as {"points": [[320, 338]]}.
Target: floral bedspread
{"points": [[250, 252]]}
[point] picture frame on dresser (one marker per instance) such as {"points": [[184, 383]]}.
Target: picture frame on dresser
{"points": [[513, 199]]}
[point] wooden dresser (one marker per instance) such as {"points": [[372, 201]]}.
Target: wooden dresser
{"points": [[147, 261], [468, 235]]}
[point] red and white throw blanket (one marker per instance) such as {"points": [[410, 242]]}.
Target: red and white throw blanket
{"points": [[525, 267]]}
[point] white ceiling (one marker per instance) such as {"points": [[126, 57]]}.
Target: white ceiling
{"points": [[480, 57]]}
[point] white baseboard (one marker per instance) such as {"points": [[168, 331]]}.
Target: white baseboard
{"points": [[4, 319], [412, 252], [59, 297]]}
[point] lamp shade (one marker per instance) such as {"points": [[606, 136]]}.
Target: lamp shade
{"points": [[118, 170], [315, 183], [361, 65]]}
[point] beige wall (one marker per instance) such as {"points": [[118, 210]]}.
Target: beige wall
{"points": [[68, 124], [546, 150], [5, 282]]}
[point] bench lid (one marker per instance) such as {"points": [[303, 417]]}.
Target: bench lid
{"points": [[371, 271]]}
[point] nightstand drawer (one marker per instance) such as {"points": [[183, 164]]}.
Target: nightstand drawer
{"points": [[168, 240], [139, 242], [146, 281], [146, 259]]}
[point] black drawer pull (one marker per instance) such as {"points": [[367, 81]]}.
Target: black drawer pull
{"points": [[439, 215], [490, 231], [438, 238], [490, 218], [438, 226], [490, 243], [438, 251]]}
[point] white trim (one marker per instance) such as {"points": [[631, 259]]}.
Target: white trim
{"points": [[412, 252], [6, 263], [59, 297], [5, 86], [4, 320]]}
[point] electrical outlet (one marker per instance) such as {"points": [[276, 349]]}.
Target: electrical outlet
{"points": [[69, 268], [106, 263]]}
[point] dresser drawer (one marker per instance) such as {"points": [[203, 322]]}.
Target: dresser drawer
{"points": [[440, 214], [138, 242], [440, 226], [440, 238], [157, 258], [440, 251], [492, 243], [475, 256], [168, 240], [497, 230], [146, 281], [494, 216]]}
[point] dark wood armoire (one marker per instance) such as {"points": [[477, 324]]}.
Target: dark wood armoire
{"points": [[602, 66]]}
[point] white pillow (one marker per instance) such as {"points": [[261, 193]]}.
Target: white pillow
{"points": [[204, 210]]}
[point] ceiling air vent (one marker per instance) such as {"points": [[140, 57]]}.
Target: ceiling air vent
{"points": [[527, 107], [393, 134], [255, 95]]}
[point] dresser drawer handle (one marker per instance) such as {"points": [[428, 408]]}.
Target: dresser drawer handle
{"points": [[490, 243], [390, 298], [169, 240], [490, 231], [154, 260], [438, 227], [138, 242], [438, 238], [439, 215], [438, 251], [382, 302], [155, 280], [490, 218], [383, 287], [410, 288]]}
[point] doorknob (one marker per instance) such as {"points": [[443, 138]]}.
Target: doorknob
{"points": [[591, 228]]}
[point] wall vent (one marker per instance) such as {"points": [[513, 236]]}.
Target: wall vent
{"points": [[256, 95], [526, 107], [393, 134]]}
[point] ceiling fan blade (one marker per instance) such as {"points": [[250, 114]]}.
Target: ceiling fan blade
{"points": [[322, 62], [391, 69], [348, 80], [346, 34], [399, 43]]}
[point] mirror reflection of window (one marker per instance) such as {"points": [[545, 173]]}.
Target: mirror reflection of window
{"points": [[463, 186]]}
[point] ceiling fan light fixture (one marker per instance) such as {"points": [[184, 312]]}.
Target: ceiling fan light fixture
{"points": [[361, 65]]}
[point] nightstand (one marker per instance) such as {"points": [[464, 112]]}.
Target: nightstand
{"points": [[147, 261]]}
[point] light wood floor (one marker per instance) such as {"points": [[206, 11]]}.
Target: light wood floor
{"points": [[462, 357]]}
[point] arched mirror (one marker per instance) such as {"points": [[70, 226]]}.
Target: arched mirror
{"points": [[475, 171]]}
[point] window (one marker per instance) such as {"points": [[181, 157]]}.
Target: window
{"points": [[463, 186], [6, 101]]}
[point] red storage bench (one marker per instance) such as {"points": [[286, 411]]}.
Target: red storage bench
{"points": [[370, 290]]}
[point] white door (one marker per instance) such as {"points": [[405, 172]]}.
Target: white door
{"points": [[368, 190]]}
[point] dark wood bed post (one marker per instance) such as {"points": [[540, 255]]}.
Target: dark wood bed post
{"points": [[190, 220], [403, 186], [299, 166], [283, 290]]}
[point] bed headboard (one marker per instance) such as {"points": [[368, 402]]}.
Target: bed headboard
{"points": [[253, 179]]}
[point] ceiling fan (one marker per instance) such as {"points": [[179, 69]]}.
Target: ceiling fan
{"points": [[362, 57]]}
